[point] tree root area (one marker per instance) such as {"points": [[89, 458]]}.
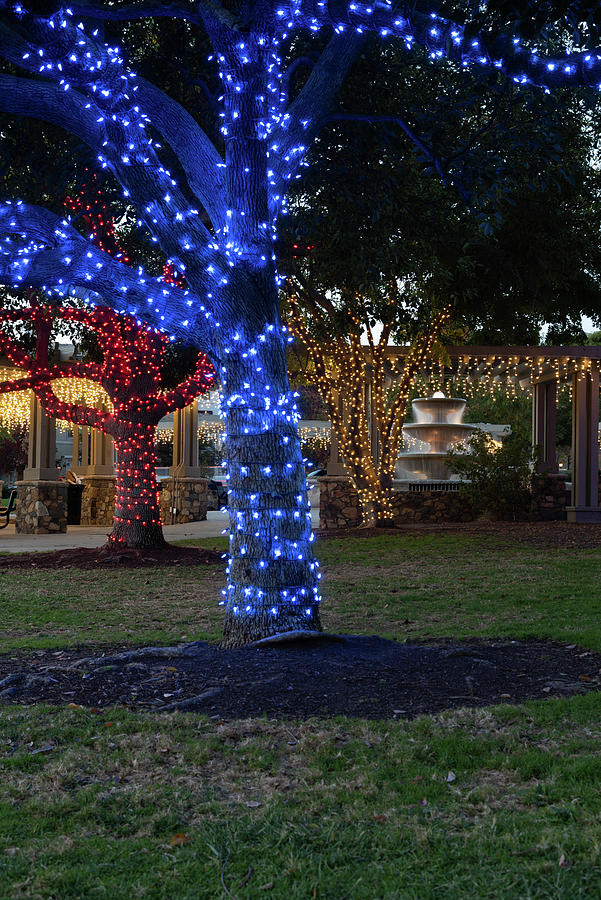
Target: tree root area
{"points": [[352, 675], [112, 556]]}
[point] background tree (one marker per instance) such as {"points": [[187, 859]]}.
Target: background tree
{"points": [[13, 450], [382, 232], [344, 369], [130, 373]]}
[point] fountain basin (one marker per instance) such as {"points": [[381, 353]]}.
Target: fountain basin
{"points": [[437, 427], [437, 438]]}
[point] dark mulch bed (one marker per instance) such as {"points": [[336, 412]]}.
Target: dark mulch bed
{"points": [[111, 557], [366, 677]]}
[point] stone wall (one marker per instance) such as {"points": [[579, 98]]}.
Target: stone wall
{"points": [[98, 500], [41, 507], [339, 506], [189, 497], [550, 498]]}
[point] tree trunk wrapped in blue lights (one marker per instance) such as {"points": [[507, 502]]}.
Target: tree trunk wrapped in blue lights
{"points": [[219, 225], [272, 574]]}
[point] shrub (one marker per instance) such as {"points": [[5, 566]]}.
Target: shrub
{"points": [[499, 477], [13, 450]]}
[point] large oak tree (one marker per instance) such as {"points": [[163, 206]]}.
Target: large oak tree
{"points": [[213, 208]]}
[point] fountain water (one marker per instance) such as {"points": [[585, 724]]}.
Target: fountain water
{"points": [[437, 427]]}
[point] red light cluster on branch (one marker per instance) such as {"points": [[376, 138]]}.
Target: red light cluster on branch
{"points": [[90, 203], [172, 275]]}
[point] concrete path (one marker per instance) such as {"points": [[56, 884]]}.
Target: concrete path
{"points": [[84, 536]]}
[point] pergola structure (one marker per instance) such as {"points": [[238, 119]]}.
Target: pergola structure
{"points": [[42, 500], [542, 369]]}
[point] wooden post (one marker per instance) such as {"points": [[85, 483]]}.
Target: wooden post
{"points": [[185, 443], [184, 495], [41, 459], [335, 464], [81, 452], [585, 447], [101, 454], [544, 424]]}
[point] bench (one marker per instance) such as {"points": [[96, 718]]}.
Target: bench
{"points": [[5, 511]]}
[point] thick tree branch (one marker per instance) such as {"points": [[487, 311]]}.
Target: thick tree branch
{"points": [[41, 100], [19, 384], [307, 114], [126, 146], [207, 11], [296, 64], [202, 164], [311, 298], [440, 165], [88, 370], [72, 412], [41, 250]]}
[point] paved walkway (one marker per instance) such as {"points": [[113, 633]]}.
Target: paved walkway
{"points": [[85, 536]]}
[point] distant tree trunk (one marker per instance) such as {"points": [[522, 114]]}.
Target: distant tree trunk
{"points": [[137, 522], [375, 497]]}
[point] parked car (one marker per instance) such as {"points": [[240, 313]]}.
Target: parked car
{"points": [[218, 485], [219, 489], [313, 485]]}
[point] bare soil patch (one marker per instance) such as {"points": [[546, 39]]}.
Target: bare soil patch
{"points": [[353, 675]]}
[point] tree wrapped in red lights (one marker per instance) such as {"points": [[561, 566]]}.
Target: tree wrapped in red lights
{"points": [[130, 373]]}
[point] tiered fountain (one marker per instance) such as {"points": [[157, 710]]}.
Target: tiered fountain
{"points": [[437, 427]]}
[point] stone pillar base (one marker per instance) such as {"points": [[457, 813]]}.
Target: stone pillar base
{"points": [[98, 500], [184, 500], [41, 507], [584, 513], [338, 503]]}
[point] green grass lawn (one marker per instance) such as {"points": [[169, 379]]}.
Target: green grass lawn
{"points": [[402, 587], [501, 803]]}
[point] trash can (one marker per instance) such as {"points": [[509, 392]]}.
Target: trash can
{"points": [[74, 492]]}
